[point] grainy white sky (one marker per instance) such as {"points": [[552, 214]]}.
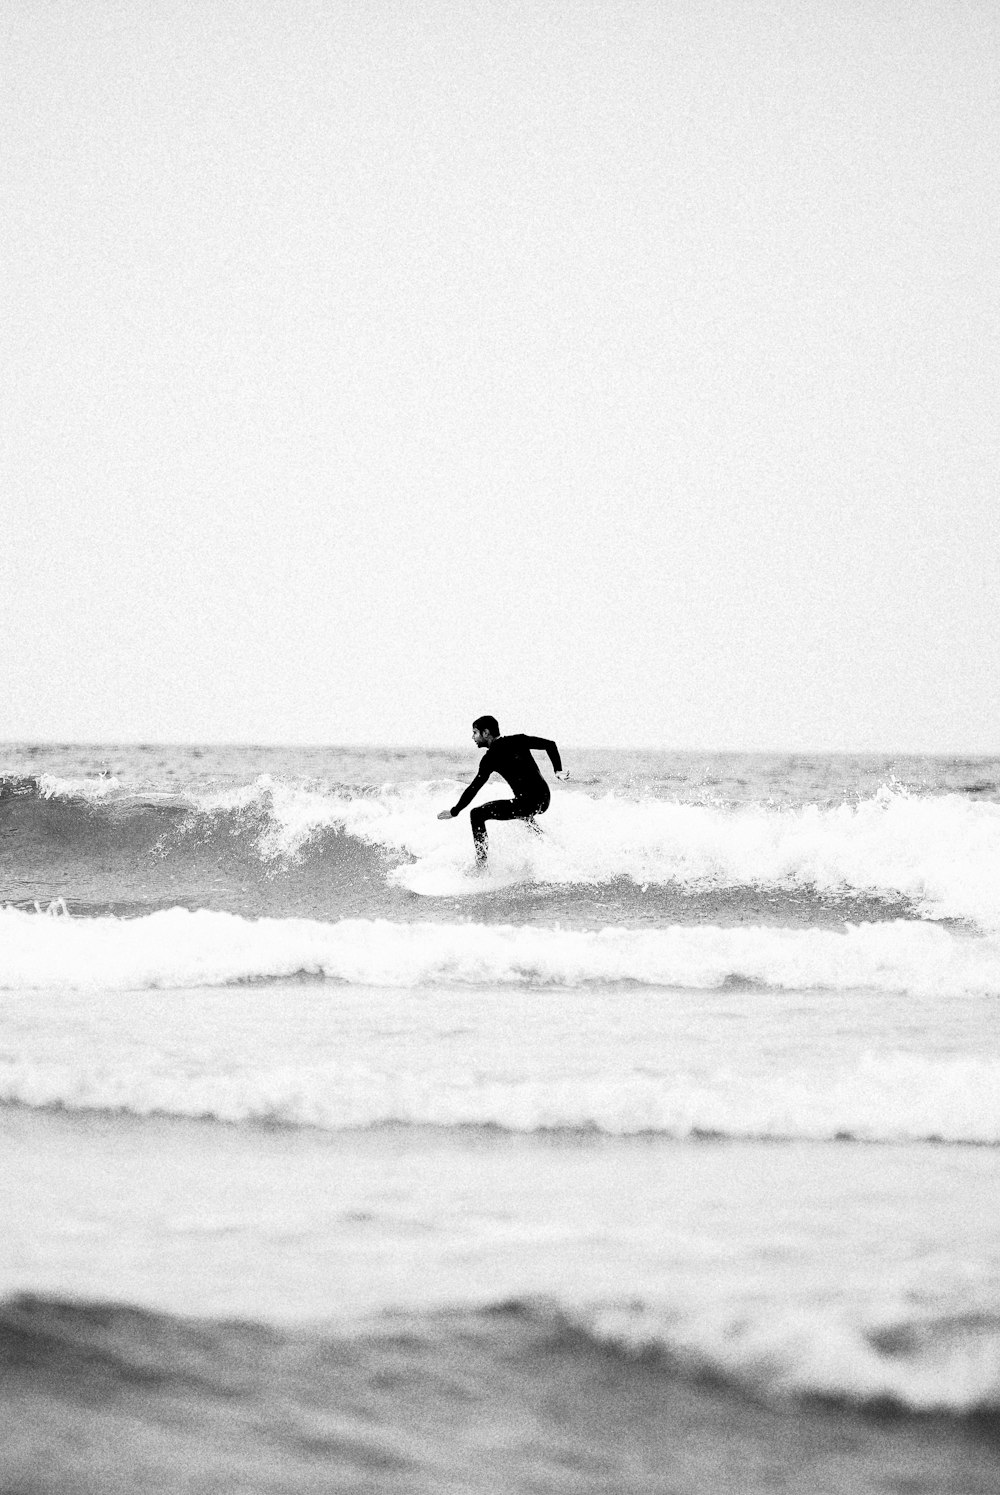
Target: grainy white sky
{"points": [[630, 370]]}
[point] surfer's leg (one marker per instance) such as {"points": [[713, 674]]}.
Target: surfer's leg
{"points": [[497, 809], [504, 809], [527, 809], [477, 819]]}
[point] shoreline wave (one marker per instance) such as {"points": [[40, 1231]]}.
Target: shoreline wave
{"points": [[919, 1364]]}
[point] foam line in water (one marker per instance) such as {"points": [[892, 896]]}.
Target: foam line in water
{"points": [[176, 947], [894, 1097]]}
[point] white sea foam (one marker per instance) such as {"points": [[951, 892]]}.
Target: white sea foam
{"points": [[941, 852], [98, 788], [887, 1098], [176, 947], [92, 971], [817, 1350]]}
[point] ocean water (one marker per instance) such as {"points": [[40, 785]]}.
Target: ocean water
{"points": [[662, 1158]]}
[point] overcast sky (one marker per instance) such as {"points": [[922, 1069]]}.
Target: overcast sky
{"points": [[628, 370]]}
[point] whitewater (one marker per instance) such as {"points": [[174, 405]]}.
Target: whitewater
{"points": [[331, 1164]]}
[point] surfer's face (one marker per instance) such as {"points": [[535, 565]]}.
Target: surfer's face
{"points": [[481, 738]]}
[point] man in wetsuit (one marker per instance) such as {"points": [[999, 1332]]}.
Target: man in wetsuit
{"points": [[511, 758]]}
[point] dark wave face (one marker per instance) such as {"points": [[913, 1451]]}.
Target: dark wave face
{"points": [[344, 851], [129, 857], [515, 1397]]}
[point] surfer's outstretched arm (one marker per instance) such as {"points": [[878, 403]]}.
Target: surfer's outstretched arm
{"points": [[467, 796]]}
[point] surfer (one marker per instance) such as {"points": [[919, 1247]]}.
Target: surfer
{"points": [[511, 758]]}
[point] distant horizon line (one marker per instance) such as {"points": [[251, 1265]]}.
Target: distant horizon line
{"points": [[39, 744]]}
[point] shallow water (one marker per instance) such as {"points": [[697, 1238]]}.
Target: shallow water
{"points": [[400, 1309]]}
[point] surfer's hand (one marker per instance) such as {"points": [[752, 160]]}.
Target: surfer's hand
{"points": [[563, 773], [445, 815]]}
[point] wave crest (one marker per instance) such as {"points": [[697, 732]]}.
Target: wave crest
{"points": [[890, 1098]]}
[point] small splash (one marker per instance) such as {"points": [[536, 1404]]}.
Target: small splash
{"points": [[57, 909]]}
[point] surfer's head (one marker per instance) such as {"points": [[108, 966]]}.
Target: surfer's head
{"points": [[485, 730]]}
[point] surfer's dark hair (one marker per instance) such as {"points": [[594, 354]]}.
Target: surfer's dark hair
{"points": [[487, 724]]}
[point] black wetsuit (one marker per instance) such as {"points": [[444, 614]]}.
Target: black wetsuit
{"points": [[511, 758]]}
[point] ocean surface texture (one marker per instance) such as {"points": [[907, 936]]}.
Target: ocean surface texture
{"points": [[664, 1157]]}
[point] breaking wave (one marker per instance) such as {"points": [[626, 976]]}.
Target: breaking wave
{"points": [[918, 1362], [330, 851]]}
